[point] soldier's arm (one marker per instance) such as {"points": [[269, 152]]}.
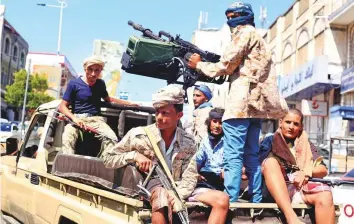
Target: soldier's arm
{"points": [[121, 154], [230, 60]]}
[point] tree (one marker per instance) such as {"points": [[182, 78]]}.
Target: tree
{"points": [[36, 95]]}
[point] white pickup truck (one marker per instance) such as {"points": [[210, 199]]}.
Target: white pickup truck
{"points": [[40, 185]]}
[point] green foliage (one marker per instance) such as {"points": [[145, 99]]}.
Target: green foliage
{"points": [[36, 96]]}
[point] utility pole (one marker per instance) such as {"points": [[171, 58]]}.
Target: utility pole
{"points": [[62, 5]]}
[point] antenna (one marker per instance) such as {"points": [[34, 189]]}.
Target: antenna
{"points": [[203, 19], [263, 16]]}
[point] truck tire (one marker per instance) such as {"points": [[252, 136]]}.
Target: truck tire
{"points": [[8, 219]]}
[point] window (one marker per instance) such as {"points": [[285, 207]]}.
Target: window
{"points": [[288, 19], [319, 43], [22, 60], [14, 54], [304, 5], [287, 65], [7, 46], [33, 136], [273, 31], [302, 55], [348, 99]]}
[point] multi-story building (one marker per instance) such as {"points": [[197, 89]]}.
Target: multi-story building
{"points": [[14, 49], [342, 17], [310, 46], [56, 68]]}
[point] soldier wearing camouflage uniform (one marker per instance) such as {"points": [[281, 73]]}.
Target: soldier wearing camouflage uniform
{"points": [[253, 95], [177, 147], [84, 94]]}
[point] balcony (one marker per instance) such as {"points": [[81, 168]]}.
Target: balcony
{"points": [[343, 12]]}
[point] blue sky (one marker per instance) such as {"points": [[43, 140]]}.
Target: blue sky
{"points": [[87, 20]]}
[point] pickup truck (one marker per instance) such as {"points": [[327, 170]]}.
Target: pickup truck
{"points": [[41, 185]]}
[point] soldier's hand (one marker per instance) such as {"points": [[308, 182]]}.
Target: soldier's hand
{"points": [[171, 201], [193, 61], [201, 178], [79, 123], [300, 179], [144, 164]]}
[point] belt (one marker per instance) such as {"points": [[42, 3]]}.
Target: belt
{"points": [[85, 115]]}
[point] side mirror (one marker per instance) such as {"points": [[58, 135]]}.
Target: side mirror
{"points": [[11, 145]]}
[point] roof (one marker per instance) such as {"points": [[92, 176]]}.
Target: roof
{"points": [[14, 31], [281, 15], [66, 61]]}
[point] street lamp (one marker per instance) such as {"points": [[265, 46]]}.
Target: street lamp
{"points": [[62, 5]]}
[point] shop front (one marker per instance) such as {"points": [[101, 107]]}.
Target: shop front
{"points": [[342, 116], [309, 90]]}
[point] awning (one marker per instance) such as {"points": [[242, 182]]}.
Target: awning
{"points": [[310, 80], [347, 83], [346, 112], [344, 14]]}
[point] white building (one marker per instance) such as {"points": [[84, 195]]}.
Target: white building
{"points": [[56, 68]]}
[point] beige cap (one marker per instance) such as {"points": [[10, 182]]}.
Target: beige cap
{"points": [[93, 60], [170, 94]]}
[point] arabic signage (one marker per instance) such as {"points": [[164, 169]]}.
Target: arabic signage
{"points": [[303, 81], [314, 108], [347, 83]]}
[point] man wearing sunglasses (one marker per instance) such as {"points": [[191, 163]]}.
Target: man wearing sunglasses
{"points": [[253, 95]]}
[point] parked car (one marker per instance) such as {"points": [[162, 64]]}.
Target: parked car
{"points": [[8, 130], [3, 120]]}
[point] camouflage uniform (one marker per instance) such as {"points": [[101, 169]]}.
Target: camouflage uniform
{"points": [[253, 94], [253, 91], [184, 167], [71, 133], [182, 161]]}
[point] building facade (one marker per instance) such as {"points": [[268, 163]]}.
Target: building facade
{"points": [[342, 16], [56, 68], [310, 50], [14, 49]]}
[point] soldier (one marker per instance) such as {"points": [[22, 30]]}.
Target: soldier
{"points": [[177, 147], [84, 94], [253, 94], [201, 97]]}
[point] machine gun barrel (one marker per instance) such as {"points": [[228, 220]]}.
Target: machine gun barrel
{"points": [[146, 32]]}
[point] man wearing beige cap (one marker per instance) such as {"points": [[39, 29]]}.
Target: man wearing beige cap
{"points": [[177, 147], [84, 94]]}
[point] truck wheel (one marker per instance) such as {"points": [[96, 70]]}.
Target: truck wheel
{"points": [[8, 219]]}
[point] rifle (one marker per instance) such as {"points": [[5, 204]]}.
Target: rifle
{"points": [[165, 57], [63, 117], [332, 183], [181, 209]]}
